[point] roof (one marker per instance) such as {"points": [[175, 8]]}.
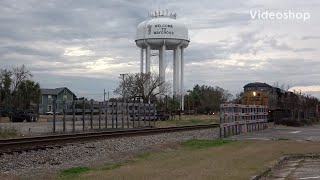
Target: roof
{"points": [[257, 84], [55, 91]]}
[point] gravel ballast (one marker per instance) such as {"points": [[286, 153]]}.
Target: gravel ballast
{"points": [[33, 164]]}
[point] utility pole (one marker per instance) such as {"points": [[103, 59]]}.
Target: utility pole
{"points": [[104, 95], [0, 98], [123, 85], [108, 96], [188, 104], [166, 101]]}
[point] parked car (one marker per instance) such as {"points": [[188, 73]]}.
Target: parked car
{"points": [[20, 116], [4, 112], [163, 115], [51, 113]]}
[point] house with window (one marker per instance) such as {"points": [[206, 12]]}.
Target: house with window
{"points": [[48, 96]]}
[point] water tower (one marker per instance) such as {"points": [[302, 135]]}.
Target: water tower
{"points": [[161, 31]]}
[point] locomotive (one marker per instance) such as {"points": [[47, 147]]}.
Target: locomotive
{"points": [[281, 103], [263, 94]]}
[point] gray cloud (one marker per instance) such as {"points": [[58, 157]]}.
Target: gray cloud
{"points": [[310, 37], [26, 51], [38, 33]]}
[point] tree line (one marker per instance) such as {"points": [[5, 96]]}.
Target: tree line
{"points": [[147, 87], [300, 105], [202, 98], [17, 89]]}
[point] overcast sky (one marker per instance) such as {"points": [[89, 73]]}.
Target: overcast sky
{"points": [[84, 45]]}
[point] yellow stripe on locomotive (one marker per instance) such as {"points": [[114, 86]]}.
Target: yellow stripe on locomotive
{"points": [[255, 97]]}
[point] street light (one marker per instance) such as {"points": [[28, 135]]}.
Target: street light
{"points": [[123, 84], [1, 88]]}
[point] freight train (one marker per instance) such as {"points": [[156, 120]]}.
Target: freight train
{"points": [[262, 94], [281, 103]]}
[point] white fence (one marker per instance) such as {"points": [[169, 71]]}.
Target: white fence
{"points": [[238, 118]]}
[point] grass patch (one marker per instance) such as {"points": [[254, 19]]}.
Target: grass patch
{"points": [[73, 172], [186, 120], [7, 132], [113, 166], [199, 143], [144, 156], [141, 156], [238, 160]]}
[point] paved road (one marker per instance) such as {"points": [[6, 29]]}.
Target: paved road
{"points": [[303, 169], [307, 169], [310, 133]]}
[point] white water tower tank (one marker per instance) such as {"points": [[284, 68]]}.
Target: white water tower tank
{"points": [[159, 30], [162, 31]]}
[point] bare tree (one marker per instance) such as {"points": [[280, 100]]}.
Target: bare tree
{"points": [[238, 98], [19, 74], [144, 85]]}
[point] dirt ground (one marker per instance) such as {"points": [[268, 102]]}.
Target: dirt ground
{"points": [[237, 160], [185, 120], [4, 119]]}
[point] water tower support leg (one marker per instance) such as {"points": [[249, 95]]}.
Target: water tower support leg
{"points": [[141, 59], [178, 61], [162, 67], [182, 79], [148, 59], [174, 71]]}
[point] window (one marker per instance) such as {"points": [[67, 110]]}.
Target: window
{"points": [[65, 97], [50, 97], [65, 91]]}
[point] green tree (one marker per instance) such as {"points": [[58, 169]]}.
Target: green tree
{"points": [[207, 99], [29, 93], [196, 94], [5, 84]]}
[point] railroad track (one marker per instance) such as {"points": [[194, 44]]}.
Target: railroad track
{"points": [[43, 142]]}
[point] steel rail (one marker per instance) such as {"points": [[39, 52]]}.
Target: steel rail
{"points": [[7, 145]]}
